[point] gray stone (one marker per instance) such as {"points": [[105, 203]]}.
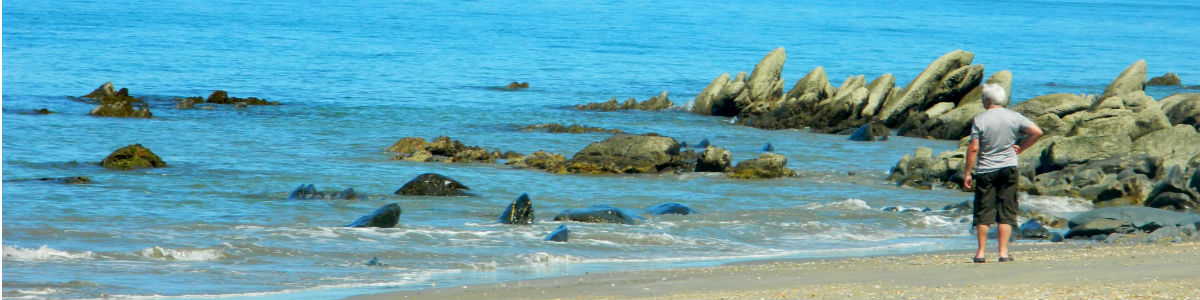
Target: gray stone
{"points": [[1174, 192], [1056, 104], [1082, 148], [1165, 79], [1136, 216], [1130, 80], [432, 184], [879, 90], [714, 159], [768, 165], [815, 82], [764, 85], [561, 235], [1100, 226], [598, 214], [1176, 146], [384, 217], [916, 95], [625, 153], [1182, 109]]}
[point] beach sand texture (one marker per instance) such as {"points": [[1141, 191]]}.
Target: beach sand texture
{"points": [[1041, 271]]}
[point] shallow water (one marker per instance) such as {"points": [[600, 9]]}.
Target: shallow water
{"points": [[356, 77]]}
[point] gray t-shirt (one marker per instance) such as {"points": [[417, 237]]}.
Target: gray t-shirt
{"points": [[997, 131]]}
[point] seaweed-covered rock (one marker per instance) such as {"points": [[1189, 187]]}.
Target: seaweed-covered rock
{"points": [[598, 214], [222, 97], [768, 165], [441, 149], [519, 212], [132, 157], [432, 184], [541, 160], [659, 102], [625, 153], [117, 103], [384, 217], [514, 85]]}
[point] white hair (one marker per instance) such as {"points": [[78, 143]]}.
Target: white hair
{"points": [[995, 94]]}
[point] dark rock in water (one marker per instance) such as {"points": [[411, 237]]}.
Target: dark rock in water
{"points": [[68, 180], [659, 102], [519, 212], [714, 159], [374, 262], [574, 128], [1165, 79], [683, 144], [305, 192], [132, 157], [703, 144], [768, 147], [1032, 229], [869, 133], [768, 165], [384, 217], [310, 192], [514, 85], [670, 208], [559, 235], [598, 214], [43, 111], [625, 153], [431, 184], [117, 104], [222, 97]]}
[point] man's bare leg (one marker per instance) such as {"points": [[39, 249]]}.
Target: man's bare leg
{"points": [[1005, 232], [981, 232]]}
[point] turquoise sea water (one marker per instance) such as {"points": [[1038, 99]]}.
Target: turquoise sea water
{"points": [[356, 77]]}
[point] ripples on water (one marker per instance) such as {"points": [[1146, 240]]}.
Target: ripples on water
{"points": [[355, 77]]}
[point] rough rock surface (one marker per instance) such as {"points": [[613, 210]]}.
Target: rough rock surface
{"points": [[768, 165], [384, 217], [714, 159], [132, 157], [519, 212], [432, 184], [659, 102], [117, 103], [625, 153], [541, 160]]}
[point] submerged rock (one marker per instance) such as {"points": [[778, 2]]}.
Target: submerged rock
{"points": [[310, 192], [132, 157], [1032, 229], [67, 180], [432, 184], [870, 132], [561, 235], [222, 97], [514, 85], [384, 217], [519, 212], [598, 214], [117, 104], [574, 128], [670, 208]]}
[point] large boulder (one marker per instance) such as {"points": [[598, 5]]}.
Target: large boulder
{"points": [[1182, 109], [764, 86], [598, 214], [719, 97], [132, 157], [625, 153], [1082, 148], [879, 88], [1131, 80], [956, 84], [917, 95], [1174, 192], [815, 83], [768, 165], [384, 217], [1059, 105], [1176, 146], [432, 184], [714, 159], [1100, 226], [519, 212]]}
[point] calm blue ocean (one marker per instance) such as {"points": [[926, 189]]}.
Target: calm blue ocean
{"points": [[356, 76]]}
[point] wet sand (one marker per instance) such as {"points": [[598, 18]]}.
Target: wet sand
{"points": [[1072, 270]]}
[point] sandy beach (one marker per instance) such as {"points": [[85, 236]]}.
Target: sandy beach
{"points": [[1070, 270]]}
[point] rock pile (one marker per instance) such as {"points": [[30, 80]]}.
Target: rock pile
{"points": [[1121, 148], [117, 103], [659, 102]]}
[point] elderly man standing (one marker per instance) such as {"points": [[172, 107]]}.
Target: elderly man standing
{"points": [[992, 167]]}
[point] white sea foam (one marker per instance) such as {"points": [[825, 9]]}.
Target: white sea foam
{"points": [[934, 221], [848, 204], [161, 253], [44, 253], [1057, 205], [547, 258]]}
